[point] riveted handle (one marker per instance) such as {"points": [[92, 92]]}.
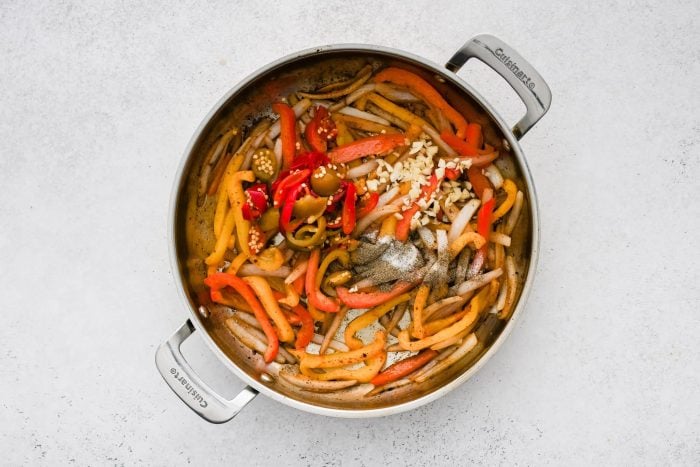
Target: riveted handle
{"points": [[508, 63], [194, 392]]}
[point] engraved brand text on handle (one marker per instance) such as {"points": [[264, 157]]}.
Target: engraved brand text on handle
{"points": [[514, 68], [191, 391]]}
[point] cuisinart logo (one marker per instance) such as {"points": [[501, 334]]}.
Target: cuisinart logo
{"points": [[190, 390], [513, 66]]}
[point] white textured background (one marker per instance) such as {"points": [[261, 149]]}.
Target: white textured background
{"points": [[96, 107]]}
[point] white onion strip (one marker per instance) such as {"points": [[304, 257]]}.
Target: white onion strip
{"points": [[511, 280], [387, 196], [350, 98], [334, 344], [468, 344], [500, 238], [362, 169], [428, 237], [478, 281], [494, 175], [353, 112], [514, 213], [373, 216], [247, 338], [432, 132], [309, 384], [299, 269], [463, 218], [253, 270]]}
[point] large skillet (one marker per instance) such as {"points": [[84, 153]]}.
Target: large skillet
{"points": [[190, 219]]}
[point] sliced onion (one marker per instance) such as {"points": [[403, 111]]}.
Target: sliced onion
{"points": [[292, 376], [501, 299], [466, 346], [396, 94], [250, 340], [253, 270], [440, 304], [352, 97], [353, 112], [401, 201], [373, 216], [362, 169], [387, 196], [299, 269], [335, 324], [428, 237], [500, 238], [334, 344], [478, 281], [432, 132], [362, 76], [494, 175], [387, 116], [511, 280], [463, 218], [255, 330], [462, 265], [514, 213]]}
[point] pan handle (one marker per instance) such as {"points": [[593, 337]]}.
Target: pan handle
{"points": [[508, 63], [182, 379]]}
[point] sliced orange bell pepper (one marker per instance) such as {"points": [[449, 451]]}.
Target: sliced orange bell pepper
{"points": [[306, 333], [478, 180], [288, 132], [218, 281], [424, 90]]}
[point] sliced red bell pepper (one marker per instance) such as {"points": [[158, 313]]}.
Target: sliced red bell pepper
{"points": [[473, 136], [429, 189], [369, 146], [368, 204], [348, 216], [478, 180], [403, 226], [288, 123], [290, 181], [484, 219], [218, 281], [361, 300], [310, 160], [404, 367], [313, 294], [306, 333], [425, 90], [334, 202], [320, 130], [288, 208], [452, 174], [255, 201]]}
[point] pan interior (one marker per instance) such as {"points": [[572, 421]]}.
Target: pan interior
{"points": [[193, 231]]}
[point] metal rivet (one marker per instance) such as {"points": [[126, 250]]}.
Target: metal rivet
{"points": [[439, 78], [204, 311], [266, 378], [506, 145]]}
